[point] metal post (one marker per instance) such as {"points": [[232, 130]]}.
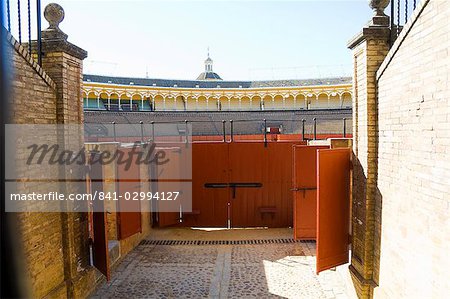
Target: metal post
{"points": [[8, 14], [303, 129], [29, 28], [142, 131], [114, 130], [224, 131], [315, 128], [20, 21], [231, 130], [398, 17], [392, 21], [153, 131], [406, 11], [265, 132], [345, 127], [186, 132], [39, 33]]}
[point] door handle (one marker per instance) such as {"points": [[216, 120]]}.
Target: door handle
{"points": [[304, 189], [216, 185]]}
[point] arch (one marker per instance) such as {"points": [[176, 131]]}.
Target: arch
{"points": [[346, 100], [200, 103], [268, 101], [300, 100], [246, 103], [322, 101]]}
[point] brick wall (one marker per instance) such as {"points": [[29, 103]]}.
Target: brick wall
{"points": [[414, 158]]}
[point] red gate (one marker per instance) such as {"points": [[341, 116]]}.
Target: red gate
{"points": [[169, 172], [305, 191], [129, 181], [241, 184], [210, 195], [333, 207], [99, 222]]}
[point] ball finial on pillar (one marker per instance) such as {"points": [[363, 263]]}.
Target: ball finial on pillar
{"points": [[54, 14]]}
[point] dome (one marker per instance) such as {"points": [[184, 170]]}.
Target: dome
{"points": [[209, 76]]}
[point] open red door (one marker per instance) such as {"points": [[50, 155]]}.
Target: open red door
{"points": [[99, 223], [305, 191], [333, 208], [129, 185]]}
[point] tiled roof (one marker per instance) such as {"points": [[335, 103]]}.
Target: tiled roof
{"points": [[215, 84]]}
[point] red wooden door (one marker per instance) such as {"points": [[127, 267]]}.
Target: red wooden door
{"points": [[333, 207], [129, 215], [169, 172], [210, 194], [305, 191], [263, 175], [99, 223]]}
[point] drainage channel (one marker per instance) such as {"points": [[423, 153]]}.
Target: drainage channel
{"points": [[222, 242]]}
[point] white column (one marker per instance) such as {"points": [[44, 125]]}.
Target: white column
{"points": [[98, 101], [240, 104], [120, 108], [284, 102], [164, 103], [340, 101], [229, 104], [328, 104], [109, 102], [295, 101], [207, 103]]}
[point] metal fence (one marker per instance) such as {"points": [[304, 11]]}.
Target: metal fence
{"points": [[22, 19], [400, 12], [220, 130]]}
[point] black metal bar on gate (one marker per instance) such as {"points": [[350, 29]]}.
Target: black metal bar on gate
{"points": [[415, 4], [398, 17], [406, 11], [392, 21], [186, 132], [231, 130], [142, 131], [224, 131], [153, 130], [114, 130], [315, 128], [20, 21], [345, 127], [39, 34], [303, 129], [29, 27], [265, 132], [8, 15]]}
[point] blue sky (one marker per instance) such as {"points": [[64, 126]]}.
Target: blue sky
{"points": [[247, 39]]}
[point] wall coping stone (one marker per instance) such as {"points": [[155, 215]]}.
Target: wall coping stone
{"points": [[21, 50], [403, 34]]}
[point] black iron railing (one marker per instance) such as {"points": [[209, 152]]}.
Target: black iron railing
{"points": [[21, 26], [400, 13]]}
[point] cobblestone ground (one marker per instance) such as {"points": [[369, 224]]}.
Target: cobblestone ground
{"points": [[222, 271]]}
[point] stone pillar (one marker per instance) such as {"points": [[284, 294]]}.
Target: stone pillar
{"points": [[63, 62], [369, 48]]}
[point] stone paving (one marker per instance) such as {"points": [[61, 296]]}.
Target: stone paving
{"points": [[222, 271]]}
